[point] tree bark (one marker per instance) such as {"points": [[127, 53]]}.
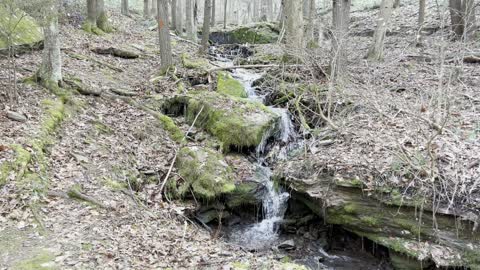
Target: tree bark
{"points": [[225, 5], [92, 12], [102, 19], [206, 25], [125, 7], [376, 50], [50, 72], [309, 38], [153, 11], [421, 21], [456, 16], [341, 19], [212, 21], [179, 19], [164, 34], [191, 29], [146, 9], [173, 12], [469, 18], [294, 25]]}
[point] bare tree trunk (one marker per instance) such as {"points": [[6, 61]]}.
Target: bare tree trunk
{"points": [[309, 38], [179, 19], [91, 21], [102, 19], [212, 22], [294, 25], [341, 19], [50, 72], [125, 7], [421, 21], [396, 4], [164, 35], [191, 29], [270, 10], [153, 11], [468, 7], [225, 5], [173, 12], [206, 25], [376, 50], [146, 9], [456, 17]]}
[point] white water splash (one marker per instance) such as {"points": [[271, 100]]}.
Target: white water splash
{"points": [[263, 234], [285, 125]]}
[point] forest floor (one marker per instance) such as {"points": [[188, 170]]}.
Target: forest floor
{"points": [[104, 142]]}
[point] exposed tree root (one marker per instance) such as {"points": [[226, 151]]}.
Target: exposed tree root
{"points": [[88, 58]]}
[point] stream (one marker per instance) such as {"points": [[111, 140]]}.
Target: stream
{"points": [[269, 229]]}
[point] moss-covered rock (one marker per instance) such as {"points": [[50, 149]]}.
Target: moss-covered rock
{"points": [[244, 194], [198, 63], [25, 32], [205, 171], [446, 240], [226, 84], [260, 33], [236, 122]]}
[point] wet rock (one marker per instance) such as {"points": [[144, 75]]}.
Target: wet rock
{"points": [[26, 35], [287, 245], [205, 171]]}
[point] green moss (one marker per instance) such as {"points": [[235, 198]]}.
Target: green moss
{"points": [[357, 183], [350, 208], [234, 121], [25, 31], [92, 29], [226, 84], [102, 128], [200, 63], [292, 266], [205, 171], [104, 24], [262, 33], [370, 221], [42, 261], [169, 125], [243, 195], [55, 112], [240, 266]]}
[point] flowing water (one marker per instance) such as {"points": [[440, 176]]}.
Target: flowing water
{"points": [[274, 199]]}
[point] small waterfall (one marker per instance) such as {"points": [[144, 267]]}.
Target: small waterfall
{"points": [[261, 235], [285, 126]]}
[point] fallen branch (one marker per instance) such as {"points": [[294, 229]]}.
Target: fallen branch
{"points": [[121, 53], [74, 193]]}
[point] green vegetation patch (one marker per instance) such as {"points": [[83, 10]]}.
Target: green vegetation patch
{"points": [[199, 63], [205, 171], [44, 260], [25, 32], [234, 121], [243, 195], [226, 84], [262, 33]]}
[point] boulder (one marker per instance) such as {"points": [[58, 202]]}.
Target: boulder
{"points": [[205, 171], [27, 34], [236, 122], [226, 84], [259, 33]]}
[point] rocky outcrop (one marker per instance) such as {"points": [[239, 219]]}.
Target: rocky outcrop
{"points": [[442, 238], [261, 33], [25, 32], [236, 122]]}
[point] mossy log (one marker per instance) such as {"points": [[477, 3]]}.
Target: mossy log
{"points": [[117, 52], [236, 122], [446, 240]]}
